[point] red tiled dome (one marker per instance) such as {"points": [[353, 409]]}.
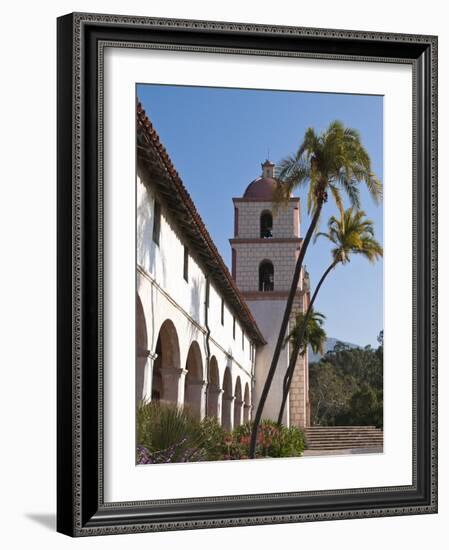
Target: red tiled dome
{"points": [[261, 188]]}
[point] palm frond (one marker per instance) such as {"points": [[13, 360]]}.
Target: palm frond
{"points": [[313, 335], [337, 197], [333, 162], [293, 172], [352, 233]]}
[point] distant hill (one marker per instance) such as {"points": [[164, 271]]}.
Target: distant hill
{"points": [[329, 346]]}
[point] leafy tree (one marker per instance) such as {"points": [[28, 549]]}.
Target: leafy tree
{"points": [[346, 387], [329, 393], [366, 407]]}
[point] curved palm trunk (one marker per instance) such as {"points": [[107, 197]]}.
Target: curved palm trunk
{"points": [[284, 324], [295, 352]]}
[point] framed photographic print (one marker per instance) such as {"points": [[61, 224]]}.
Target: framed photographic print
{"points": [[247, 288]]}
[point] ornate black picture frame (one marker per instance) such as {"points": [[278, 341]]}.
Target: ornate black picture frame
{"points": [[81, 510]]}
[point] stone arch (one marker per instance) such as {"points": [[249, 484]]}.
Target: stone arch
{"points": [[213, 389], [141, 348], [166, 369], [266, 225], [238, 402], [227, 418], [266, 276], [246, 404], [194, 382]]}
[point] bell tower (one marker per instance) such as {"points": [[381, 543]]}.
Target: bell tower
{"points": [[265, 248]]}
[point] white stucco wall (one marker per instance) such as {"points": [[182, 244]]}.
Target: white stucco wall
{"points": [[269, 326], [165, 294]]}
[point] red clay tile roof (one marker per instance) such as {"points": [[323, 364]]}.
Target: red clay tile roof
{"points": [[188, 216]]}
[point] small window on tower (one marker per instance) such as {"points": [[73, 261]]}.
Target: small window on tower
{"points": [[222, 311], [266, 225], [266, 276], [233, 327]]}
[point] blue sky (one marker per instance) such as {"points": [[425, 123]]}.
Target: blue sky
{"points": [[217, 139]]}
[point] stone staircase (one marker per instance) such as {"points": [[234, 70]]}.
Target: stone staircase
{"points": [[323, 439]]}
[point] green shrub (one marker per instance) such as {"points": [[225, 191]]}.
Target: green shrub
{"points": [[272, 441], [162, 426], [213, 436], [279, 441], [291, 442], [166, 433]]}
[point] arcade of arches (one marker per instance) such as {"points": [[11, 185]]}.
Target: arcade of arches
{"points": [[191, 386]]}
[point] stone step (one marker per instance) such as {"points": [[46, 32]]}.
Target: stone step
{"points": [[324, 432], [331, 446], [344, 446], [343, 434], [342, 428], [337, 432], [312, 444], [328, 438], [346, 442], [344, 439]]}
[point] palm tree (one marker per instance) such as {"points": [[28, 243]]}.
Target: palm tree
{"points": [[332, 162], [314, 334], [353, 233]]}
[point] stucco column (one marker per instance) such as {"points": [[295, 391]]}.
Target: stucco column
{"points": [[238, 412], [220, 393], [215, 401], [228, 412], [173, 384], [147, 384], [197, 397], [246, 412]]}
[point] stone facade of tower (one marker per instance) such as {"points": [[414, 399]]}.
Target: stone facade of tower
{"points": [[265, 248]]}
